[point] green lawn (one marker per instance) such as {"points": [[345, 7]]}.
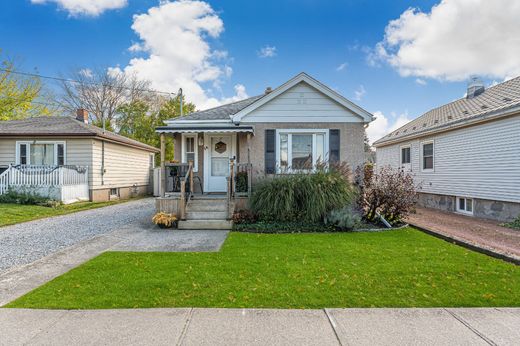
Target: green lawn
{"points": [[403, 268], [15, 213]]}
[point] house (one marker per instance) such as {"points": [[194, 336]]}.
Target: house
{"points": [[466, 154], [287, 129], [68, 159]]}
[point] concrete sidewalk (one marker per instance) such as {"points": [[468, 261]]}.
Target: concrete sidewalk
{"points": [[261, 327]]}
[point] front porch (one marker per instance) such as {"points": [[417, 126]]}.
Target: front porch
{"points": [[210, 176]]}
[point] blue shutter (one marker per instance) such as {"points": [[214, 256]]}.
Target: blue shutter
{"points": [[270, 154], [334, 146]]}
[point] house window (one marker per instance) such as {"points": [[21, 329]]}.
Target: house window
{"points": [[40, 153], [301, 150], [427, 156], [189, 151], [405, 155], [114, 192], [465, 205], [23, 154]]}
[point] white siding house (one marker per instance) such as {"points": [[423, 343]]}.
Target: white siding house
{"points": [[475, 167], [113, 166]]}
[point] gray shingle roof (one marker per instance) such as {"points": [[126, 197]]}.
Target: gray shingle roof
{"points": [[496, 98], [62, 126], [221, 112]]}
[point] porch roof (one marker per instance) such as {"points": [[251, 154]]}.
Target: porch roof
{"points": [[194, 128]]}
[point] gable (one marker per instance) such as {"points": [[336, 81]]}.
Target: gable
{"points": [[301, 103]]}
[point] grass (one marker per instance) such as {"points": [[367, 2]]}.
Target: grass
{"points": [[11, 214], [404, 268]]}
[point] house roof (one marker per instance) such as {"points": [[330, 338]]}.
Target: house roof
{"points": [[494, 101], [221, 112], [63, 126]]}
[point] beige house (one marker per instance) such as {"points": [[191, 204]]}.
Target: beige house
{"points": [[288, 129], [68, 159]]}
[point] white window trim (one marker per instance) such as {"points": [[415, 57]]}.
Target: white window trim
{"points": [[464, 211], [196, 148], [29, 143], [422, 157], [401, 154], [289, 144]]}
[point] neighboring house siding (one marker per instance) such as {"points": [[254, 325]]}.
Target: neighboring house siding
{"points": [[480, 161], [125, 166], [77, 150], [7, 151], [301, 103]]}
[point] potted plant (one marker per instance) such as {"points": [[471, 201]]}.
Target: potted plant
{"points": [[165, 220]]}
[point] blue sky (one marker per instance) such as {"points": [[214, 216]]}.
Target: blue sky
{"points": [[341, 43]]}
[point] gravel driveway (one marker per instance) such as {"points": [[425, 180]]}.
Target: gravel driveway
{"points": [[26, 242]]}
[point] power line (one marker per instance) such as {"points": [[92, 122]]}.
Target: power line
{"points": [[69, 80]]}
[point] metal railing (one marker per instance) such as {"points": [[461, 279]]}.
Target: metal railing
{"points": [[186, 190]]}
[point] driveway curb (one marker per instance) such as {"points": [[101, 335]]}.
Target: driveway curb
{"points": [[471, 246]]}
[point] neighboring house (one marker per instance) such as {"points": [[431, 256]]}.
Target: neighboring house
{"points": [[465, 154], [52, 152], [288, 129]]}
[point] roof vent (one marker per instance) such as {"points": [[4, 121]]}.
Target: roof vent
{"points": [[424, 125], [436, 121], [268, 90], [475, 87], [413, 128], [484, 107], [465, 112], [450, 117]]}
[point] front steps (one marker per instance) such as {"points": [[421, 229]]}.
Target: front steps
{"points": [[207, 212]]}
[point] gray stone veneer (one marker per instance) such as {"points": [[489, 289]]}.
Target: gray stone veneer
{"points": [[487, 209]]}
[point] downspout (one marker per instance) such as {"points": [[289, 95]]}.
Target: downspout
{"points": [[102, 162]]}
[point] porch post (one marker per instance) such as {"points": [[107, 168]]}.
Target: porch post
{"points": [[162, 183], [249, 147]]}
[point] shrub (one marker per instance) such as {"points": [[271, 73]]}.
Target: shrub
{"points": [[302, 197], [241, 182], [283, 227], [388, 192], [244, 216], [513, 224], [343, 219], [27, 198]]}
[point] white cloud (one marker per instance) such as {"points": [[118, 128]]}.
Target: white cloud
{"points": [[85, 7], [382, 125], [267, 52], [456, 39], [420, 81], [175, 36], [342, 66], [359, 93], [240, 94]]}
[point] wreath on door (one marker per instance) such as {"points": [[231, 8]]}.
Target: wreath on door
{"points": [[220, 147]]}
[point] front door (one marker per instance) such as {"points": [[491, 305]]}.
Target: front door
{"points": [[219, 153]]}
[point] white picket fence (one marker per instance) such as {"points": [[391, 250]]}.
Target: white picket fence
{"points": [[35, 178]]}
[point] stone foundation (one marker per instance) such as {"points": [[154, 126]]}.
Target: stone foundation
{"points": [[483, 208]]}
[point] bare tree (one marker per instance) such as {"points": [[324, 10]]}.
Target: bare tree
{"points": [[102, 92]]}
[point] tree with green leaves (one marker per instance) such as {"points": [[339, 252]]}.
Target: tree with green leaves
{"points": [[20, 95], [138, 120]]}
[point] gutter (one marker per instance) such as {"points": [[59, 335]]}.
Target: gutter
{"points": [[491, 116]]}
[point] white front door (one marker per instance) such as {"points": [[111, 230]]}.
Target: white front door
{"points": [[219, 151]]}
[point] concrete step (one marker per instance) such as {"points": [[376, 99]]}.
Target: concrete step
{"points": [[206, 215], [197, 205], [205, 224]]}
